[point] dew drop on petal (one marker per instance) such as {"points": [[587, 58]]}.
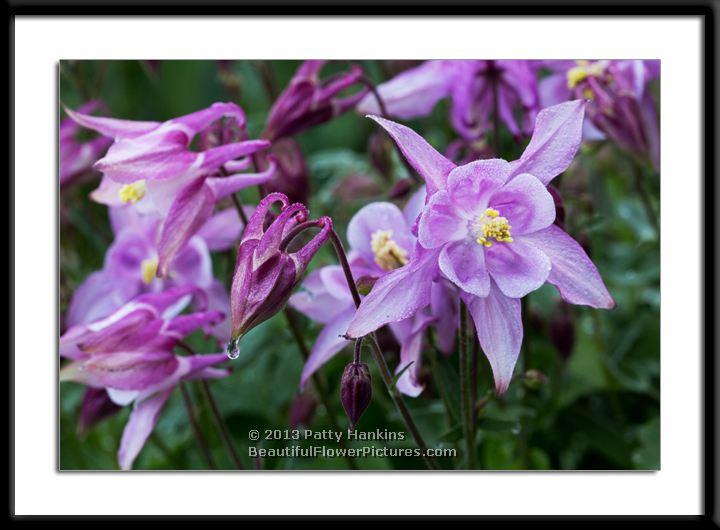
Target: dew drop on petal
{"points": [[233, 348]]}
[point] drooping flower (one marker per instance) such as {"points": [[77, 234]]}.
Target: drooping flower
{"points": [[620, 105], [487, 226], [77, 157], [381, 241], [129, 356], [132, 259], [266, 271], [291, 176], [151, 166], [308, 100], [479, 91]]}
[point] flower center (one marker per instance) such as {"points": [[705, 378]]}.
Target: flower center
{"points": [[148, 269], [132, 192], [582, 71], [388, 254], [492, 226]]}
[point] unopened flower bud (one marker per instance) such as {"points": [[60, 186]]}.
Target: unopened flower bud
{"points": [[291, 176], [562, 333], [400, 189], [355, 391], [380, 148], [559, 206], [365, 284], [302, 410]]}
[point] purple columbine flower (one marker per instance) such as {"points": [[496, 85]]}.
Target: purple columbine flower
{"points": [[488, 227], [478, 89], [266, 271], [129, 355], [309, 100], [381, 241], [621, 107], [76, 157], [151, 166], [132, 260]]}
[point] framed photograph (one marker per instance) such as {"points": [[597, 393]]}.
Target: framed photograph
{"points": [[264, 262]]}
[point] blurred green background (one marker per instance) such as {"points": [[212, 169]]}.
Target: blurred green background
{"points": [[597, 407]]}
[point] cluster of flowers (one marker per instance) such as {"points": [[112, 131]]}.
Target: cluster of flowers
{"points": [[483, 232]]}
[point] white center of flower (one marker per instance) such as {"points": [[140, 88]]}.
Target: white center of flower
{"points": [[388, 254], [490, 227]]}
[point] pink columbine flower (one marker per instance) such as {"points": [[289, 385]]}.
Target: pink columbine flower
{"points": [[487, 226], [129, 356], [266, 271], [620, 105], [309, 100], [76, 157], [381, 241], [477, 89], [132, 260], [151, 166]]}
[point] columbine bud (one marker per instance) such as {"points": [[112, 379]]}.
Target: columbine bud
{"points": [[355, 391], [562, 333], [266, 272], [400, 189], [291, 176], [302, 410], [381, 149], [559, 206], [308, 101]]}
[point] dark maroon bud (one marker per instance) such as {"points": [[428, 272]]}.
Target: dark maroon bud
{"points": [[562, 332], [302, 410], [96, 406], [381, 149], [221, 132], [356, 186], [534, 379], [559, 206], [365, 284], [355, 391], [291, 176], [400, 189]]}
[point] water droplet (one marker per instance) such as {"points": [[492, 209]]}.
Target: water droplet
{"points": [[233, 348]]}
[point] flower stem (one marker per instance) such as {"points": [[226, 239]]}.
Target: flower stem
{"points": [[383, 113], [220, 424], [467, 404], [639, 178], [318, 382], [217, 417], [380, 360], [202, 442]]}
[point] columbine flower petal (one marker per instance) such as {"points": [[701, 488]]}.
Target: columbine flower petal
{"points": [[574, 275], [556, 138], [430, 165], [498, 323]]}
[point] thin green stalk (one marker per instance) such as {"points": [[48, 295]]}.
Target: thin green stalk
{"points": [[220, 425], [380, 360], [202, 442], [318, 382], [467, 403]]}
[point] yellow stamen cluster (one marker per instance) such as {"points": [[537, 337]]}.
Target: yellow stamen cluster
{"points": [[388, 254], [132, 192], [493, 226], [582, 71], [148, 269]]}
